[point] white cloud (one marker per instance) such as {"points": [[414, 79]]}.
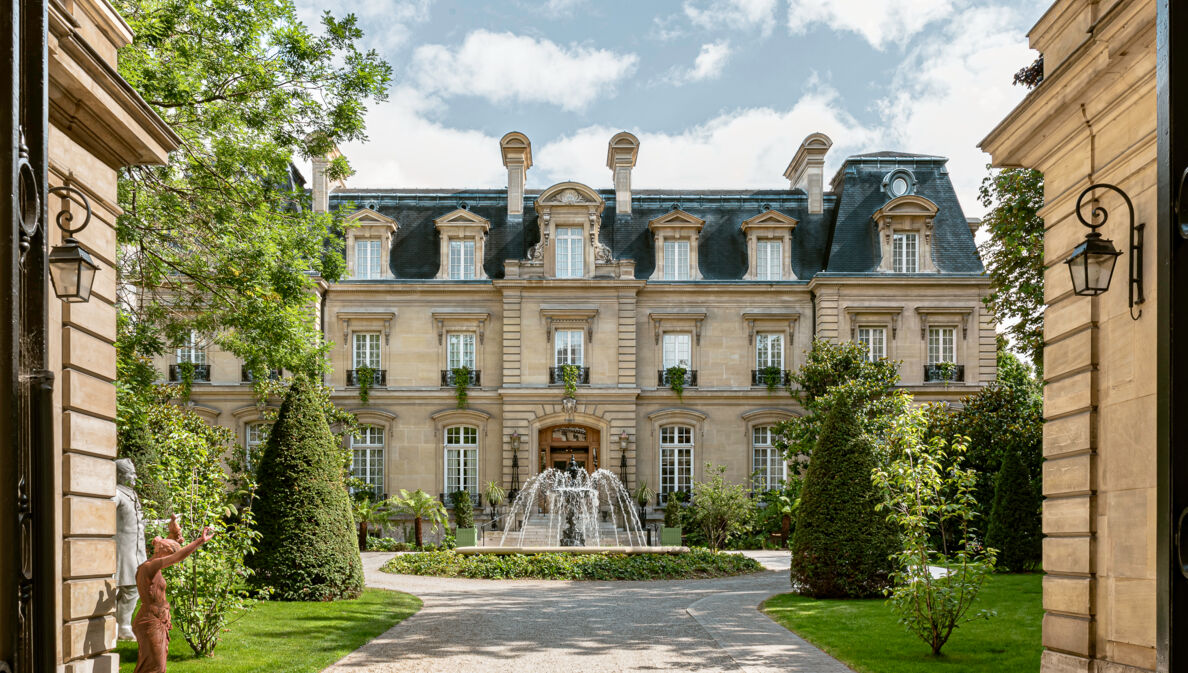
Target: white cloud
{"points": [[386, 25], [504, 67], [735, 14], [879, 22], [710, 61], [953, 88], [746, 148]]}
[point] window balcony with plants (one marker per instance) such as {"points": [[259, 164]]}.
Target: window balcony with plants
{"points": [[557, 376], [355, 377], [199, 373], [450, 377], [246, 376], [771, 377], [944, 372], [667, 377]]}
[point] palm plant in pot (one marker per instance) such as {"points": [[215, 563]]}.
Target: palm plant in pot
{"points": [[643, 495], [495, 497], [465, 534]]}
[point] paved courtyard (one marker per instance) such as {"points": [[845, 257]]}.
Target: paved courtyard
{"points": [[531, 626]]}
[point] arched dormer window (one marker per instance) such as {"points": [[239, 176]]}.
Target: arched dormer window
{"points": [[569, 215]]}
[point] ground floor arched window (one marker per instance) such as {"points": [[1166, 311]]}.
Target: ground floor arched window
{"points": [[676, 459], [367, 457], [767, 463], [461, 459]]}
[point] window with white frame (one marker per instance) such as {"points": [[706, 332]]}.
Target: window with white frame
{"points": [[769, 350], [570, 252], [569, 347], [460, 350], [461, 459], [367, 259], [904, 253], [367, 457], [676, 459], [461, 260], [767, 464], [678, 350], [770, 262], [255, 436], [191, 351], [875, 341], [367, 350], [942, 345], [676, 260]]}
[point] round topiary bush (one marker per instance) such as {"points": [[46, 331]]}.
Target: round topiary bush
{"points": [[841, 547], [307, 550], [1014, 528]]}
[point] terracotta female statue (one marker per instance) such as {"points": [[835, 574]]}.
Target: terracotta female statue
{"points": [[153, 622]]}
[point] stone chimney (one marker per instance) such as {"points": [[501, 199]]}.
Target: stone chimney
{"points": [[807, 170], [320, 184], [621, 153], [517, 158]]}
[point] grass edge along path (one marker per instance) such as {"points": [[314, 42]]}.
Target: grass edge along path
{"points": [[867, 637], [696, 564], [290, 637]]}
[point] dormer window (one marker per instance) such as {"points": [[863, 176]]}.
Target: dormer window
{"points": [[769, 240], [677, 234], [463, 236], [368, 243], [904, 229], [570, 252]]}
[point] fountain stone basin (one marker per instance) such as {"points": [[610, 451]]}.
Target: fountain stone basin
{"points": [[528, 551]]}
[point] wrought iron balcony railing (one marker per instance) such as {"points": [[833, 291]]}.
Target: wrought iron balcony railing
{"points": [[379, 377], [201, 373], [943, 373], [557, 375], [759, 378], [662, 378], [246, 376], [449, 379]]}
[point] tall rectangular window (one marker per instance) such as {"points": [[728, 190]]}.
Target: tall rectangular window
{"points": [[461, 260], [191, 350], [767, 463], [460, 350], [570, 252], [770, 265], [942, 345], [875, 340], [678, 351], [676, 260], [367, 457], [461, 459], [367, 350], [255, 437], [676, 459], [367, 259], [569, 347], [769, 350], [904, 253]]}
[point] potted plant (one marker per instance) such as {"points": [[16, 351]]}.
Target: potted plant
{"points": [[643, 495], [495, 496], [465, 534], [365, 376], [772, 377], [461, 385], [670, 534], [676, 380]]}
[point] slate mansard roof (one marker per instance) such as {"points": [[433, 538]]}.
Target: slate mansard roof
{"points": [[842, 239]]}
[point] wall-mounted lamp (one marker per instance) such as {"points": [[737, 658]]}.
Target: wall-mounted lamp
{"points": [[1091, 263], [71, 269]]}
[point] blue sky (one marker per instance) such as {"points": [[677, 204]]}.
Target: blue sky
{"points": [[720, 92]]}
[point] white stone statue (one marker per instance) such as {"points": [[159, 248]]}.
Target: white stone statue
{"points": [[130, 551]]}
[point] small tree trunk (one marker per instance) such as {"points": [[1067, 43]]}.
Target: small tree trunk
{"points": [[417, 526], [362, 536]]}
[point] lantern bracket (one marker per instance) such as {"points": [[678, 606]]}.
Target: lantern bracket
{"points": [[1098, 216], [65, 218]]}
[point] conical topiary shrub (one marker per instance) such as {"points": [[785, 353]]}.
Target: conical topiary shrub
{"points": [[841, 546], [1014, 528], [307, 549]]}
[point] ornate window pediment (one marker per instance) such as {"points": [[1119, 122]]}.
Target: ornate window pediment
{"points": [[909, 215], [677, 234], [367, 230], [576, 316], [769, 242], [944, 315], [572, 206], [463, 242], [881, 316]]}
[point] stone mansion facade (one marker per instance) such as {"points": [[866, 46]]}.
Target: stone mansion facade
{"points": [[515, 283]]}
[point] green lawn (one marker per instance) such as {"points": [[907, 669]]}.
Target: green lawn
{"points": [[865, 634], [282, 637]]}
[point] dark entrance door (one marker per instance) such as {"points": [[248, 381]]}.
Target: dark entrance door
{"points": [[560, 442], [1172, 87]]}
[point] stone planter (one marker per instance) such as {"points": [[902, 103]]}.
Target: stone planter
{"points": [[670, 537], [466, 537]]}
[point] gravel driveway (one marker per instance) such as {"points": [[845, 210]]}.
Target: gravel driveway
{"points": [[531, 626]]}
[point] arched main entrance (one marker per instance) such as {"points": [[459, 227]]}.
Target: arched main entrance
{"points": [[558, 442]]}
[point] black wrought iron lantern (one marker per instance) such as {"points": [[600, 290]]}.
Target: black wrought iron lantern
{"points": [[624, 442], [1091, 263], [71, 269]]}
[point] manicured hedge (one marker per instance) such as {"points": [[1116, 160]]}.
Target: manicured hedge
{"points": [[697, 563], [1014, 528], [308, 550]]}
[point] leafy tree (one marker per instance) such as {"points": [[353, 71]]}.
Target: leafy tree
{"points": [[368, 513], [308, 548], [841, 546], [827, 365], [222, 240], [926, 486], [422, 507], [1014, 528], [720, 510], [208, 592], [1014, 255]]}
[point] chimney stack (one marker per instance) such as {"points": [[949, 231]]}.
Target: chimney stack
{"points": [[621, 153], [320, 184], [807, 170], [517, 158]]}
